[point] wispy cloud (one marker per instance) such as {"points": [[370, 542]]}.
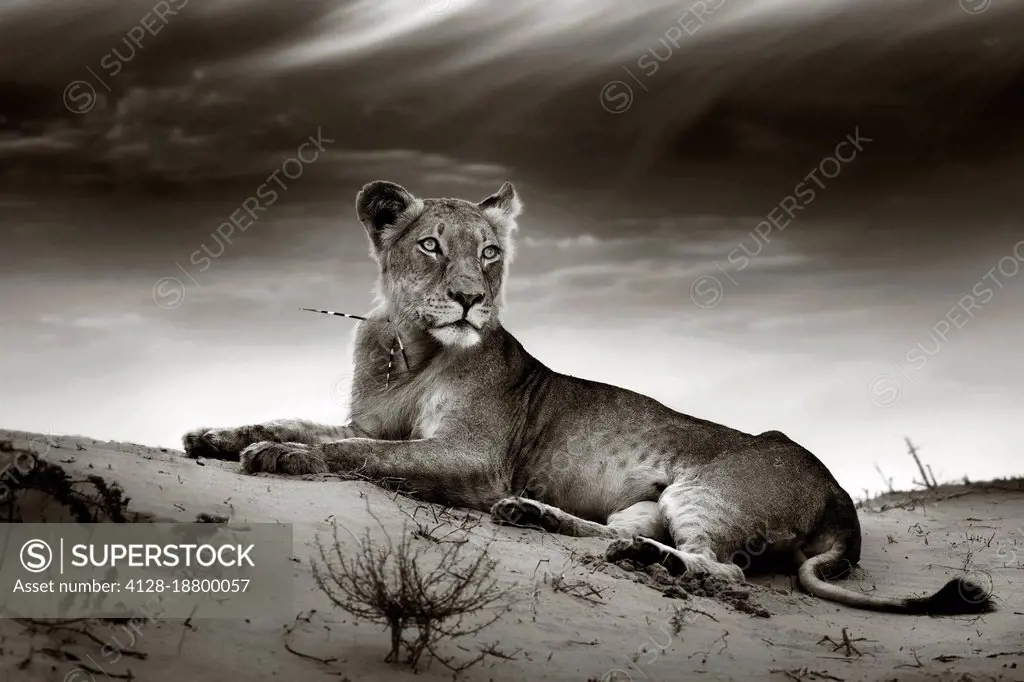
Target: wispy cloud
{"points": [[102, 321], [579, 241]]}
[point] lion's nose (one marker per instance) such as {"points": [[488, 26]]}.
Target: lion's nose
{"points": [[467, 299]]}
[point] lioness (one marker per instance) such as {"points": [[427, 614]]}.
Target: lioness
{"points": [[466, 417]]}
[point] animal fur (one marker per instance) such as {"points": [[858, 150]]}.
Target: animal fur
{"points": [[474, 420]]}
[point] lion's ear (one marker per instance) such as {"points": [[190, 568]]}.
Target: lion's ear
{"points": [[502, 207], [383, 205]]}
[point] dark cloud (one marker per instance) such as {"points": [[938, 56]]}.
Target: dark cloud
{"points": [[756, 96]]}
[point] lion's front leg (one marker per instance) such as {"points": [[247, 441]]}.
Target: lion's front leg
{"points": [[228, 443], [429, 469]]}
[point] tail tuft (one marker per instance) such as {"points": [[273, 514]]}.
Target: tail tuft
{"points": [[958, 597]]}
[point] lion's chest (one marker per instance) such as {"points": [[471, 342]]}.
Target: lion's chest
{"points": [[431, 407]]}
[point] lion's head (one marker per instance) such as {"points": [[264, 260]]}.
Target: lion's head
{"points": [[442, 261]]}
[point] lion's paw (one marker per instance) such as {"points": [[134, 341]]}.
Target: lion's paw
{"points": [[216, 443], [519, 511], [293, 459], [645, 552]]}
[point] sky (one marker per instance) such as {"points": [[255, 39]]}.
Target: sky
{"points": [[762, 212]]}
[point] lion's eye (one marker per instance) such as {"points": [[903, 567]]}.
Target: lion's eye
{"points": [[491, 252], [430, 245]]}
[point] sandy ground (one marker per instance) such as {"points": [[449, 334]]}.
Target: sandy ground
{"points": [[572, 619]]}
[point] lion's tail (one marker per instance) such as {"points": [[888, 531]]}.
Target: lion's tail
{"points": [[957, 597]]}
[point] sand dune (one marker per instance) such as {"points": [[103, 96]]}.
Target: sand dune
{"points": [[573, 618]]}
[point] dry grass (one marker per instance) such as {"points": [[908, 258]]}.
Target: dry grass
{"points": [[91, 500]]}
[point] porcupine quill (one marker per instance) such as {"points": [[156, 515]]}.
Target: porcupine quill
{"points": [[391, 356]]}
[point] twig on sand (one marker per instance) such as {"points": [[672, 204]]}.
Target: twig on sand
{"points": [[65, 626], [801, 674], [928, 483], [82, 665], [186, 626], [846, 643], [580, 589], [917, 661], [679, 619], [706, 653], [129, 675], [25, 662], [493, 650], [289, 629]]}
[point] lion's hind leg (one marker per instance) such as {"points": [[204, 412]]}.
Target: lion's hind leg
{"points": [[643, 518], [526, 513], [697, 523]]}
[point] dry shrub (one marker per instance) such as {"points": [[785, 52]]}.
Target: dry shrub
{"points": [[423, 597]]}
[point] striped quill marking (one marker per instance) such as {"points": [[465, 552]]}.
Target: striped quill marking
{"points": [[391, 359], [391, 355], [401, 346], [331, 312]]}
